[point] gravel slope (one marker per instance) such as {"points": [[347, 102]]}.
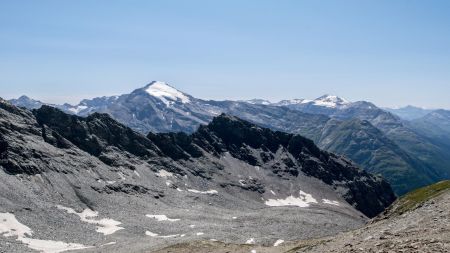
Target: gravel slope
{"points": [[423, 227]]}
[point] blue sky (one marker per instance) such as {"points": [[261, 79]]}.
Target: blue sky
{"points": [[393, 53]]}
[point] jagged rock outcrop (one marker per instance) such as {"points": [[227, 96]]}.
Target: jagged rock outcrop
{"points": [[243, 140], [258, 146]]}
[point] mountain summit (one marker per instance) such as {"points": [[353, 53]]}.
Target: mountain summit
{"points": [[25, 101], [330, 101], [166, 93]]}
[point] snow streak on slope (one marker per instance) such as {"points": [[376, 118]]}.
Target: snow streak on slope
{"points": [[105, 226], [164, 92], [304, 200], [203, 192], [161, 217]]}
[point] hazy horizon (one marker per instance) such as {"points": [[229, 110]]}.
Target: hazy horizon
{"points": [[393, 54]]}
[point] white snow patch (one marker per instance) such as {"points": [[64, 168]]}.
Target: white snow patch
{"points": [[200, 233], [164, 174], [192, 226], [330, 101], [304, 200], [178, 189], [161, 236], [164, 92], [293, 102], [77, 109], [203, 192], [168, 236], [253, 251], [47, 246], [168, 183], [234, 217], [150, 234], [250, 241], [273, 192], [258, 102], [107, 244], [10, 226], [278, 242], [136, 173], [161, 217], [330, 202], [105, 226]]}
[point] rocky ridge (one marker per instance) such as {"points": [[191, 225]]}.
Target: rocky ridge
{"points": [[94, 184]]}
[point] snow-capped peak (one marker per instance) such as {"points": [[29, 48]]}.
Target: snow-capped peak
{"points": [[330, 101], [165, 92]]}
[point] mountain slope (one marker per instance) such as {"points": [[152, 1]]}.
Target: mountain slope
{"points": [[409, 112], [370, 148], [435, 125], [400, 233], [408, 160], [111, 189], [157, 107], [26, 102], [430, 157], [423, 226]]}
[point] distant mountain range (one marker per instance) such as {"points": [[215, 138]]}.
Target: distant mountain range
{"points": [[409, 147], [409, 112]]}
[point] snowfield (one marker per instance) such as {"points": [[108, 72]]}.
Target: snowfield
{"points": [[203, 192], [166, 93], [10, 227], [161, 218], [330, 202], [105, 226], [304, 200]]}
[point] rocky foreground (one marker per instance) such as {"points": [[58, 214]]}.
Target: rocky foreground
{"points": [[418, 222]]}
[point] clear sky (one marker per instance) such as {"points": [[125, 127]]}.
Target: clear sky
{"points": [[392, 53]]}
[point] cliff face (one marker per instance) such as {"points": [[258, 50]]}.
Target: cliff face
{"points": [[261, 147]]}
